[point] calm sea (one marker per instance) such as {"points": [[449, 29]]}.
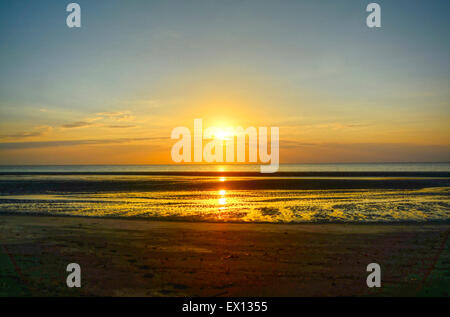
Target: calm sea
{"points": [[422, 194]]}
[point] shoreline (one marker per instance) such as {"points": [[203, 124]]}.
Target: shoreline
{"points": [[178, 220]]}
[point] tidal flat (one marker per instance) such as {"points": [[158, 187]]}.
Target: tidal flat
{"points": [[124, 257]]}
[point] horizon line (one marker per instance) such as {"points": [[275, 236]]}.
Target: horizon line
{"points": [[226, 163]]}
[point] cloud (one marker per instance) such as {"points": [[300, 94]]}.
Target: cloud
{"points": [[341, 126], [287, 144], [39, 131], [117, 115], [311, 123], [295, 152], [44, 144], [78, 124], [121, 126], [107, 119], [24, 134]]}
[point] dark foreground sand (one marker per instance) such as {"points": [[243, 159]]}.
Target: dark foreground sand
{"points": [[151, 258]]}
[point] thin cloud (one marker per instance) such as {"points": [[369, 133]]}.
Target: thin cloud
{"points": [[78, 124], [103, 119], [341, 126], [44, 144], [284, 143], [121, 126], [117, 115], [39, 131]]}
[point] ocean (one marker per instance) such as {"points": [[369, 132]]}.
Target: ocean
{"points": [[299, 193]]}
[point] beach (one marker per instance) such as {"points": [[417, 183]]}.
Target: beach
{"points": [[122, 257], [224, 233]]}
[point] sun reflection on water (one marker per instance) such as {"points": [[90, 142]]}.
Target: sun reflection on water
{"points": [[222, 200]]}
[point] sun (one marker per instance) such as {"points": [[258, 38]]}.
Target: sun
{"points": [[223, 134]]}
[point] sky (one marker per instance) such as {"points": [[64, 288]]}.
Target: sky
{"points": [[111, 91]]}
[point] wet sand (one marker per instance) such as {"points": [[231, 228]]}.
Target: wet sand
{"points": [[283, 197], [124, 257]]}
